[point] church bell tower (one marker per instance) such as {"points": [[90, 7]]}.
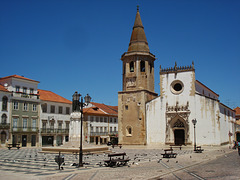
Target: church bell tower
{"points": [[137, 87]]}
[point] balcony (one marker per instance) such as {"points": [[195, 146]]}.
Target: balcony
{"points": [[98, 133], [24, 95], [54, 131], [24, 129], [4, 125]]}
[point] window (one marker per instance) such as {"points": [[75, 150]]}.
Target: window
{"points": [[115, 129], [44, 108], [67, 110], [67, 125], [59, 125], [44, 125], [4, 119], [101, 129], [91, 129], [25, 90], [34, 107], [110, 120], [97, 119], [17, 89], [131, 66], [25, 106], [60, 108], [105, 129], [177, 87], [15, 105], [4, 103], [96, 129], [129, 131], [91, 118], [126, 107], [34, 124], [142, 66], [115, 120], [101, 119], [110, 129], [31, 91], [24, 123], [15, 122], [52, 109], [105, 120]]}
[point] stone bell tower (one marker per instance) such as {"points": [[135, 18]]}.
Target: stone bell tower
{"points": [[138, 87]]}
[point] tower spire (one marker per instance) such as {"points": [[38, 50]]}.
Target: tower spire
{"points": [[138, 41]]}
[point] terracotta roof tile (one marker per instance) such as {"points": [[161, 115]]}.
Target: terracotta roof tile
{"points": [[19, 77], [94, 111], [2, 88], [111, 110], [50, 96], [237, 109]]}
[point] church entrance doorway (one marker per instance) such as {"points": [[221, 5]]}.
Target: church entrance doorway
{"points": [[179, 136]]}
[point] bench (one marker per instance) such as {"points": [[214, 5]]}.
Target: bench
{"points": [[176, 146], [119, 145], [13, 146], [168, 153], [199, 149], [116, 159]]}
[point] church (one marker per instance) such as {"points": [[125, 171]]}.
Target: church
{"points": [[185, 112]]}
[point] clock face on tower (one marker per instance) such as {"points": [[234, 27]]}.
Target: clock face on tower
{"points": [[131, 82]]}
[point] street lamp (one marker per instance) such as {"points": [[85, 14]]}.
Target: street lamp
{"points": [[78, 106], [194, 121]]}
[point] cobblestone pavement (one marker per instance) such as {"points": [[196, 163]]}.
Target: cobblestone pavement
{"points": [[145, 163]]}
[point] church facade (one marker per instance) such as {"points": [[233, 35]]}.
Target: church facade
{"points": [[146, 118]]}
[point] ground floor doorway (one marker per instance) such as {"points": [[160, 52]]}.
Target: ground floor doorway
{"points": [[33, 140], [47, 140], [24, 140], [179, 136], [3, 137]]}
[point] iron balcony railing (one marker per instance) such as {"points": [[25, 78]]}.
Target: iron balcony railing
{"points": [[103, 133], [4, 125], [24, 129], [54, 130]]}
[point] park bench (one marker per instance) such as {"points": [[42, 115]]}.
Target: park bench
{"points": [[168, 153], [13, 146], [176, 146], [116, 159], [199, 149], [119, 145]]}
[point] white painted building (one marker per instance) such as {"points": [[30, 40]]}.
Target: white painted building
{"points": [[54, 119], [182, 99]]}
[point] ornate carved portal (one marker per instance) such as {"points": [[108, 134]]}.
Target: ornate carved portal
{"points": [[177, 124]]}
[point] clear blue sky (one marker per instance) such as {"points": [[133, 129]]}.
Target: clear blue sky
{"points": [[74, 45]]}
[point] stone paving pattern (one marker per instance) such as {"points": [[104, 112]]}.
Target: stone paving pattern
{"points": [[145, 163]]}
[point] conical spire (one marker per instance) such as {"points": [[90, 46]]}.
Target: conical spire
{"points": [[138, 42]]}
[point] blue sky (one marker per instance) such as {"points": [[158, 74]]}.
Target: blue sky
{"points": [[76, 45]]}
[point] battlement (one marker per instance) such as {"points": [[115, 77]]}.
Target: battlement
{"points": [[177, 69]]}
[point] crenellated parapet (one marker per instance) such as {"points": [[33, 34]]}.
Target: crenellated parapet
{"points": [[177, 69]]}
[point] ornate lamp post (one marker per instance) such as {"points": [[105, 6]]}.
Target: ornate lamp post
{"points": [[78, 106], [194, 121]]}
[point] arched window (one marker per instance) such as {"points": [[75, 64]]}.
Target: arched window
{"points": [[4, 119], [4, 103], [142, 65], [131, 66]]}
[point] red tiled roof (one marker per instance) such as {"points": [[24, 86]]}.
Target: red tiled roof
{"points": [[19, 77], [50, 96], [94, 110], [2, 88], [237, 109], [111, 110]]}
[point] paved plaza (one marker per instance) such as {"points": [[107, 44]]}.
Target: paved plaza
{"points": [[145, 163]]}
